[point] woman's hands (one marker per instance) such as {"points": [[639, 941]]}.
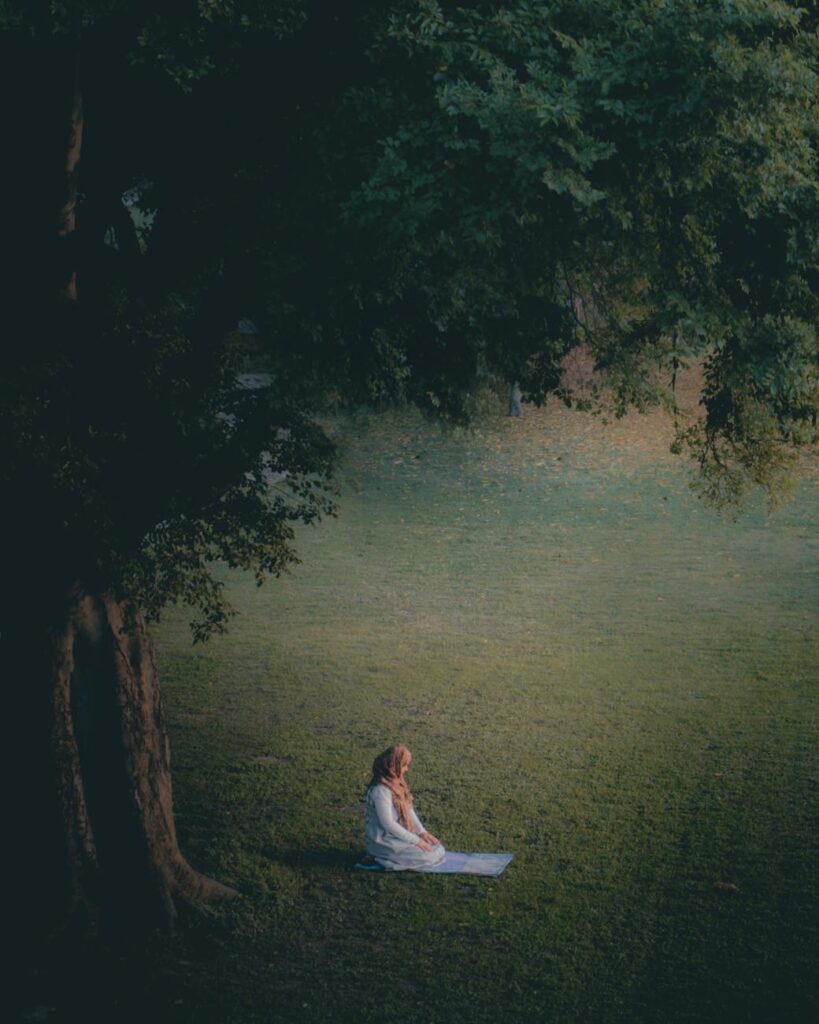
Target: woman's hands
{"points": [[428, 840]]}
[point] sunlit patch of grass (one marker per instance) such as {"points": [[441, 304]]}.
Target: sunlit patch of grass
{"points": [[593, 671]]}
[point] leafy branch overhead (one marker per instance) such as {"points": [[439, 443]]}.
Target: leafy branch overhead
{"points": [[410, 202]]}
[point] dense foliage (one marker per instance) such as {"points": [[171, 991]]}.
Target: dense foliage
{"points": [[409, 201], [641, 178]]}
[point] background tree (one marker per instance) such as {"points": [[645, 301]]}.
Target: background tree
{"points": [[410, 202], [643, 181]]}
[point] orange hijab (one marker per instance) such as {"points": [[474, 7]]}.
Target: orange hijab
{"points": [[388, 771]]}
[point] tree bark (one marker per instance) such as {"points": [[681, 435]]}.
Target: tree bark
{"points": [[515, 401], [67, 228], [102, 840], [95, 839]]}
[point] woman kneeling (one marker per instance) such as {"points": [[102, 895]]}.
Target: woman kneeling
{"points": [[396, 838]]}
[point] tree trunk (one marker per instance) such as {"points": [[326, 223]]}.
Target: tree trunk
{"points": [[95, 834], [515, 401], [68, 215], [102, 840]]}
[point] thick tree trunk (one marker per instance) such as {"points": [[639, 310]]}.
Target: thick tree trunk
{"points": [[111, 858], [96, 837]]}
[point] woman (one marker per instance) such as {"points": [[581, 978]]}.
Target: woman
{"points": [[396, 838]]}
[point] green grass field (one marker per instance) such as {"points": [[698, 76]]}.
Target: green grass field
{"points": [[593, 671]]}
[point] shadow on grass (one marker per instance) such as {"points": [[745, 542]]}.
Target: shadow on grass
{"points": [[314, 858]]}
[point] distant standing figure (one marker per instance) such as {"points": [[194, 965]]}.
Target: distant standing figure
{"points": [[396, 837]]}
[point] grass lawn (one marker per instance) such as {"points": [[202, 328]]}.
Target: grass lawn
{"points": [[593, 672]]}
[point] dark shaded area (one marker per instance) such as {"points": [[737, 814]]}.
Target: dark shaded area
{"points": [[73, 979], [313, 858]]}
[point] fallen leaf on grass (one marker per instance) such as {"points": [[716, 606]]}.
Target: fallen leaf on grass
{"points": [[726, 887]]}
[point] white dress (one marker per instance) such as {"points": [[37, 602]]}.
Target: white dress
{"points": [[393, 846]]}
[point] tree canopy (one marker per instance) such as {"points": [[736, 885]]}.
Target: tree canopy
{"points": [[657, 162], [410, 201]]}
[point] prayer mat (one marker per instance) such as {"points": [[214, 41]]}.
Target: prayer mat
{"points": [[490, 864]]}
